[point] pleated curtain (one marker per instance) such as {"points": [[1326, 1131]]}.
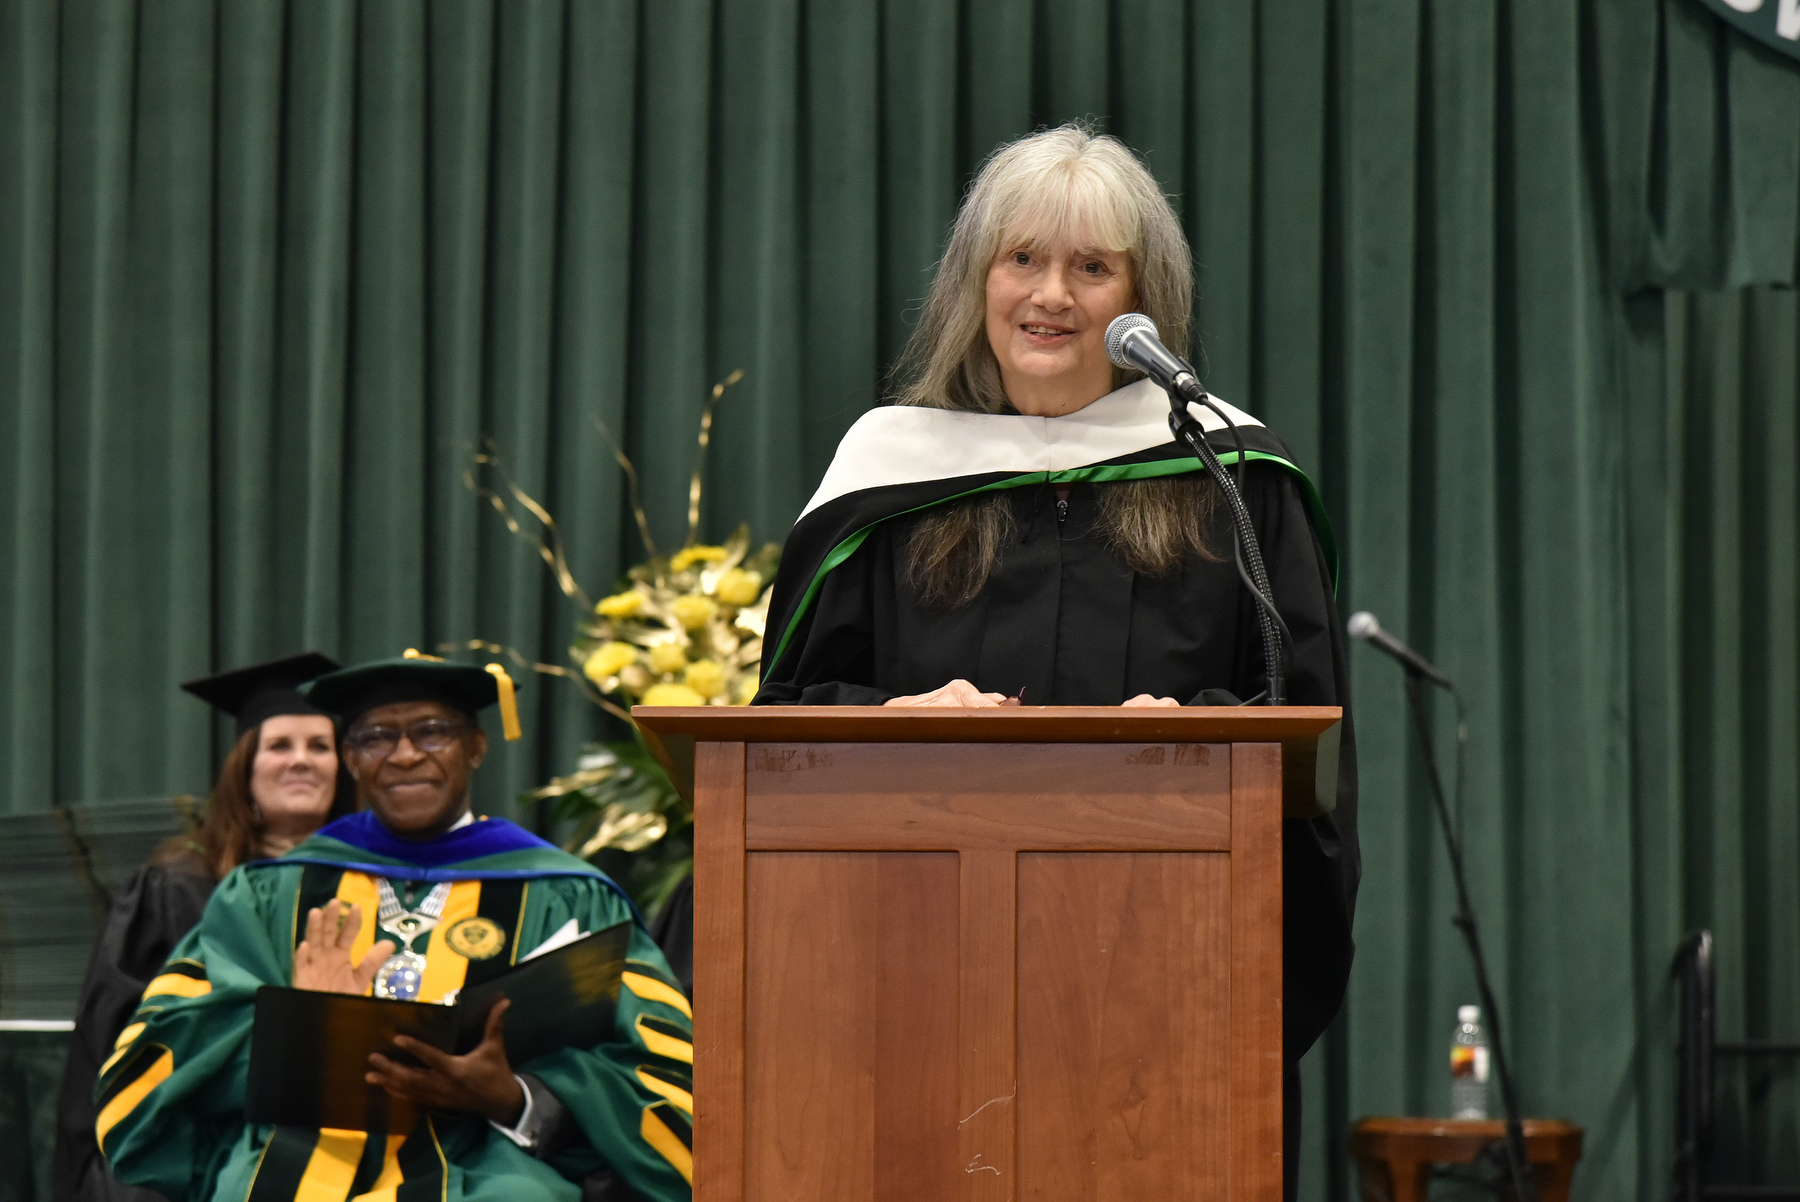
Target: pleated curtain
{"points": [[1512, 278]]}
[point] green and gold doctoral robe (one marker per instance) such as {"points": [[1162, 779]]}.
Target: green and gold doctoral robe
{"points": [[171, 1096]]}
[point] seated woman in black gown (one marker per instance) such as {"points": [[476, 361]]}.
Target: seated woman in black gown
{"points": [[1019, 523], [279, 783]]}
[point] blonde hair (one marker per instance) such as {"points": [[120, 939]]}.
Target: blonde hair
{"points": [[1065, 187], [1059, 187]]}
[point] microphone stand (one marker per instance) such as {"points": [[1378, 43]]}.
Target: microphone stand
{"points": [[1187, 431], [1523, 1184]]}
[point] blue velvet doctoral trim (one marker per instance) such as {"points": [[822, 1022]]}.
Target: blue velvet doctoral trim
{"points": [[434, 875], [482, 838], [456, 856]]}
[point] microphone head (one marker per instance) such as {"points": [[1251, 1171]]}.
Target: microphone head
{"points": [[1123, 325], [1362, 625]]}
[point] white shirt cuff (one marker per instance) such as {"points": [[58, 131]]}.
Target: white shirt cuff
{"points": [[517, 1132]]}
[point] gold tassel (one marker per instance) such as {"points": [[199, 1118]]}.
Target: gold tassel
{"points": [[415, 653], [509, 703]]}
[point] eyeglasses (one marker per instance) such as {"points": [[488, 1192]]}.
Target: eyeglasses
{"points": [[431, 736]]}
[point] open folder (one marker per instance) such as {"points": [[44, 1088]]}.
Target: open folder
{"points": [[309, 1050]]}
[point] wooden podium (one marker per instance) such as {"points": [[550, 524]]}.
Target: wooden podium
{"points": [[990, 954]]}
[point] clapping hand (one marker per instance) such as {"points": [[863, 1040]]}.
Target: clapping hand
{"points": [[322, 961]]}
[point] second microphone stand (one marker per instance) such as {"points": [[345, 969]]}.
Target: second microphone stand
{"points": [[1523, 1184]]}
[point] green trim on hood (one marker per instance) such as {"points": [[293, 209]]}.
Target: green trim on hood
{"points": [[1099, 473]]}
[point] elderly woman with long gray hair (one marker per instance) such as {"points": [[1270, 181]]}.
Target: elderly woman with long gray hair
{"points": [[1018, 526]]}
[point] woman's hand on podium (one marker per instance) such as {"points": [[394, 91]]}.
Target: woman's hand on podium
{"points": [[958, 693], [479, 1083], [322, 961], [1144, 699]]}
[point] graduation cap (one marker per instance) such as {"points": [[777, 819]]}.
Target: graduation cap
{"points": [[354, 691], [259, 692]]}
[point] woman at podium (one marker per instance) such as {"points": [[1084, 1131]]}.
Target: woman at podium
{"points": [[1019, 527]]}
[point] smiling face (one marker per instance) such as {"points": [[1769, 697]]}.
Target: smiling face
{"points": [[1047, 312], [416, 793], [294, 775]]}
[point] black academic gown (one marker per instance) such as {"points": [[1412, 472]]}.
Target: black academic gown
{"points": [[673, 931], [1063, 620], [159, 904]]}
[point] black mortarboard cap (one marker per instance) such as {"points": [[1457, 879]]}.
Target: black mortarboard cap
{"points": [[354, 691], [262, 691]]}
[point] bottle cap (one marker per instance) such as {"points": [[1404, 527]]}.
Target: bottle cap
{"points": [[1468, 1014]]}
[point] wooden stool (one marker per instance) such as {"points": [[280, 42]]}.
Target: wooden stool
{"points": [[1395, 1155]]}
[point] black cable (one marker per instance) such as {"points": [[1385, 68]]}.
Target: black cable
{"points": [[1264, 595], [1237, 546], [1274, 629], [1268, 606], [1464, 920]]}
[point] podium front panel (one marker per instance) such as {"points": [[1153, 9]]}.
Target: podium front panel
{"points": [[1123, 1032], [987, 971]]}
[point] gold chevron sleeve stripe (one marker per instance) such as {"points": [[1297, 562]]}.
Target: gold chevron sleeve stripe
{"points": [[126, 1100], [669, 1090], [665, 1045], [385, 1187], [331, 1169], [126, 1038], [179, 984], [653, 990], [656, 1133]]}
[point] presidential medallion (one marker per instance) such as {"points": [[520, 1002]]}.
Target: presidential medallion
{"points": [[403, 974], [399, 979]]}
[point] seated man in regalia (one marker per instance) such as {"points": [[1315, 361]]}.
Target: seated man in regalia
{"points": [[411, 899]]}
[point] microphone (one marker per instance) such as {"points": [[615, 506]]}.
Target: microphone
{"points": [[1132, 343], [1362, 625]]}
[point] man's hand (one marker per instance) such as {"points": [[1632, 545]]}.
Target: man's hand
{"points": [[956, 693], [481, 1083], [322, 961], [1143, 699]]}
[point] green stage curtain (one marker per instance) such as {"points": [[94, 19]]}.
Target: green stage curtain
{"points": [[1502, 272]]}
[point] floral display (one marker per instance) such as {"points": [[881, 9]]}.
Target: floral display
{"points": [[686, 631], [682, 628]]}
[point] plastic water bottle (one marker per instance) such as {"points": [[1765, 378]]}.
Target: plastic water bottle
{"points": [[1468, 1066]]}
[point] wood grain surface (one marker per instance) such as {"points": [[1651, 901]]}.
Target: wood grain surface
{"points": [[988, 972], [719, 974], [1308, 734], [988, 1087], [1105, 796], [1123, 1056], [850, 1027], [1255, 1039]]}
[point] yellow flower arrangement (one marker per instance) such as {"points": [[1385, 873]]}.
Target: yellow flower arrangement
{"points": [[608, 660], [687, 557], [739, 587], [683, 628], [693, 612], [621, 605], [705, 677], [668, 657], [695, 621], [672, 694]]}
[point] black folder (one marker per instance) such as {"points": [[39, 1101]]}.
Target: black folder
{"points": [[310, 1050]]}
